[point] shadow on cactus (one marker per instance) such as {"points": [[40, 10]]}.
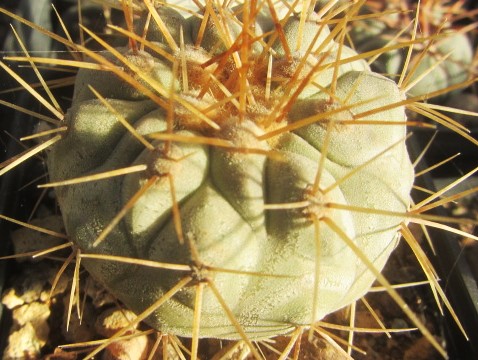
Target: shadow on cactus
{"points": [[234, 172]]}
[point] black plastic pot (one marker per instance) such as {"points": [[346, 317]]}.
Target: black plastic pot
{"points": [[14, 125]]}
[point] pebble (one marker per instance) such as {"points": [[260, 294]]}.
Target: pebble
{"points": [[112, 320], [29, 332]]}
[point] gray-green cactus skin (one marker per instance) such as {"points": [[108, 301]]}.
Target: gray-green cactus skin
{"points": [[449, 55], [291, 266]]}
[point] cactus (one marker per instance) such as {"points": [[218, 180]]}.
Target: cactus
{"points": [[288, 266], [442, 60], [265, 178]]}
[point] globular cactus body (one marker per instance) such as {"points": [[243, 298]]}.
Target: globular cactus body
{"points": [[271, 195], [442, 57]]}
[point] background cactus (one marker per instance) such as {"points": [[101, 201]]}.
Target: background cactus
{"points": [[443, 56], [267, 178]]}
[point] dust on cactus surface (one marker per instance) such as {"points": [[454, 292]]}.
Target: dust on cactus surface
{"points": [[232, 176]]}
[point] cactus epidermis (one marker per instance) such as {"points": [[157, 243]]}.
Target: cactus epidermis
{"points": [[446, 62], [269, 183]]}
